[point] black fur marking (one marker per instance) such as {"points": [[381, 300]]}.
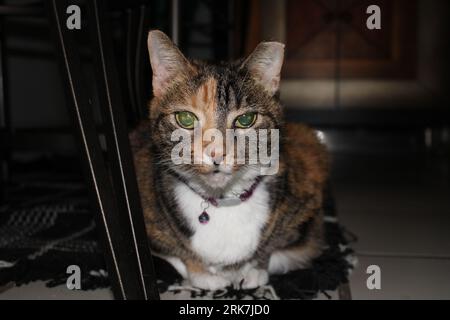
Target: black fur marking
{"points": [[304, 230]]}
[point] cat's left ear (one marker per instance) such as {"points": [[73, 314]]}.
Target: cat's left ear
{"points": [[265, 63], [166, 60]]}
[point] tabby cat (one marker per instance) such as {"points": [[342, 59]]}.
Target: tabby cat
{"points": [[274, 223]]}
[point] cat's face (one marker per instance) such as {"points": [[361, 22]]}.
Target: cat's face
{"points": [[193, 99]]}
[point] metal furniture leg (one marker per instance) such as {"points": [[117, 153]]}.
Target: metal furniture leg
{"points": [[122, 250], [119, 151]]}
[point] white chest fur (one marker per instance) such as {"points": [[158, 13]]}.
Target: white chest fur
{"points": [[232, 233]]}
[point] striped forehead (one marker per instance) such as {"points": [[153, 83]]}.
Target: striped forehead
{"points": [[204, 101], [205, 96], [227, 95], [217, 90], [213, 98]]}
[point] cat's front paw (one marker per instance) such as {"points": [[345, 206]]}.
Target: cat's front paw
{"points": [[254, 278], [208, 281]]}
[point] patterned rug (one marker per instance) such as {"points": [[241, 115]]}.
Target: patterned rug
{"points": [[46, 226]]}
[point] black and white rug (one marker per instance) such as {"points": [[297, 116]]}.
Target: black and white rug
{"points": [[47, 226]]}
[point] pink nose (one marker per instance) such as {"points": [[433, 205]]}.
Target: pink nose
{"points": [[216, 157]]}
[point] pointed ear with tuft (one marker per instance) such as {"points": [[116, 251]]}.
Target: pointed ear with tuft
{"points": [[166, 60], [264, 64]]}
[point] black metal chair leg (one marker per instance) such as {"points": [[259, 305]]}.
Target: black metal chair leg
{"points": [[5, 118], [137, 27], [132, 26], [143, 28], [119, 151], [118, 241]]}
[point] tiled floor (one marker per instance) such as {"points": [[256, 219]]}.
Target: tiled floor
{"points": [[38, 291], [399, 207], [397, 203], [403, 278]]}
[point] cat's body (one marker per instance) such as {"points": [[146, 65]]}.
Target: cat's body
{"points": [[277, 226]]}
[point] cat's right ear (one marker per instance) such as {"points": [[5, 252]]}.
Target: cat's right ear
{"points": [[166, 60], [265, 63]]}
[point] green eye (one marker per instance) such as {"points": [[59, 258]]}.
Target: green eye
{"points": [[245, 120], [186, 119]]}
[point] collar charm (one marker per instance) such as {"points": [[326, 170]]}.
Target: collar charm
{"points": [[203, 218]]}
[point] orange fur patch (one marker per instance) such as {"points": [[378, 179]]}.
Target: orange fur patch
{"points": [[205, 102]]}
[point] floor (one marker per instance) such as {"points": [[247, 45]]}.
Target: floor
{"points": [[402, 227], [393, 193]]}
